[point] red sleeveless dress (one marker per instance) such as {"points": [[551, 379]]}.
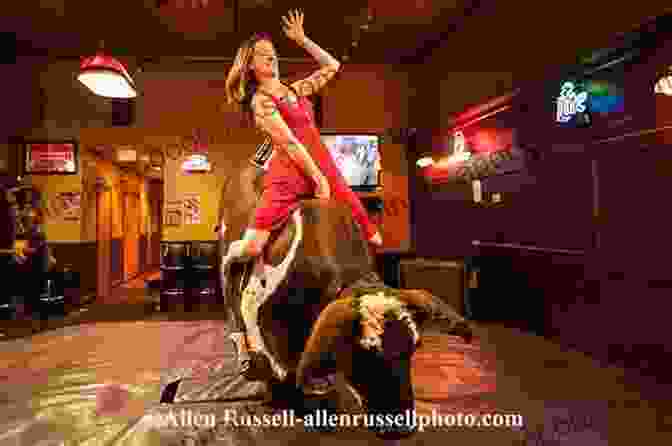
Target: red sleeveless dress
{"points": [[285, 183]]}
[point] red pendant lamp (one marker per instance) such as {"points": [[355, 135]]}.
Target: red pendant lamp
{"points": [[106, 76]]}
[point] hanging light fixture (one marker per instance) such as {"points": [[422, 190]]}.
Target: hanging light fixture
{"points": [[664, 83], [106, 76]]}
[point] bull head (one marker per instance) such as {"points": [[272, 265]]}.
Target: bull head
{"points": [[379, 377]]}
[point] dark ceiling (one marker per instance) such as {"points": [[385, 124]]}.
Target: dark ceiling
{"points": [[140, 28], [477, 34]]}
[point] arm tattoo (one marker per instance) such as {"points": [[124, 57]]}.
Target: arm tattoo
{"points": [[317, 80], [271, 122], [329, 66], [322, 57]]}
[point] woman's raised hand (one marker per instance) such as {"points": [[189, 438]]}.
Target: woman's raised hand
{"points": [[293, 26]]}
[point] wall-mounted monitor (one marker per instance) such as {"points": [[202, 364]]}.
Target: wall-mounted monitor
{"points": [[50, 158], [357, 156]]}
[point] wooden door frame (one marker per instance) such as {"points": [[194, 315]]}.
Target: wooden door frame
{"points": [[104, 238], [155, 192], [125, 225]]}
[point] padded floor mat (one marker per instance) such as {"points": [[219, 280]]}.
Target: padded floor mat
{"points": [[101, 384]]}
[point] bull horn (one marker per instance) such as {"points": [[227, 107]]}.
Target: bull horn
{"points": [[333, 323]]}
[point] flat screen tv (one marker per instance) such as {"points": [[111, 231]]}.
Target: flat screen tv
{"points": [[357, 157]]}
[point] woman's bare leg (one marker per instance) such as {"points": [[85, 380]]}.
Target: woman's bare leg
{"points": [[359, 213]]}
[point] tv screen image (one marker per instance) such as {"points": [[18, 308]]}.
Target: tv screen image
{"points": [[357, 157]]}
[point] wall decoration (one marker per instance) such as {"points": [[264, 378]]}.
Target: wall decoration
{"points": [[192, 209], [67, 206], [173, 213]]}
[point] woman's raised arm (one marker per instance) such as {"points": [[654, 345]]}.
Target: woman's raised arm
{"points": [[329, 66]]}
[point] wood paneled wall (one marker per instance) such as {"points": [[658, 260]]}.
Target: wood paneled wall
{"points": [[603, 200]]}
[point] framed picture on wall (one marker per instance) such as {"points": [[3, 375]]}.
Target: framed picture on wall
{"points": [[50, 157]]}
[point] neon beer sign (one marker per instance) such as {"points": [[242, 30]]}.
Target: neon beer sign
{"points": [[569, 103], [460, 152]]}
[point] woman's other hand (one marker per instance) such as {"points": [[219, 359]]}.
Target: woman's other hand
{"points": [[293, 26]]}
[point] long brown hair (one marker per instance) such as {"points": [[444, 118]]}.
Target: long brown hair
{"points": [[240, 82]]}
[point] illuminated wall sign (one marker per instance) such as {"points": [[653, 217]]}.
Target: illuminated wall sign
{"points": [[460, 152], [569, 103]]}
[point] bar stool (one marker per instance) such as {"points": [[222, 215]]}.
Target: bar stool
{"points": [[204, 274], [174, 275]]}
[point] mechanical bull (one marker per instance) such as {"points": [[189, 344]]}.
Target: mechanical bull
{"points": [[315, 304]]}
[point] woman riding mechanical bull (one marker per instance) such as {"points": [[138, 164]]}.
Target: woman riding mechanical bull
{"points": [[302, 166], [338, 288]]}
